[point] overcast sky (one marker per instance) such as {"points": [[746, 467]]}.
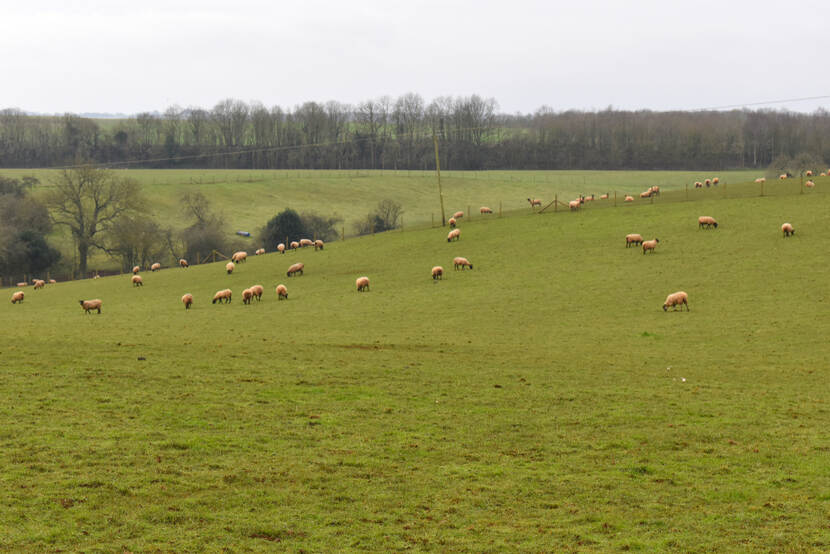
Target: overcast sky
{"points": [[115, 56]]}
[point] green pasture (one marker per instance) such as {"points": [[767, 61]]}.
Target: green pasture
{"points": [[249, 198], [542, 402]]}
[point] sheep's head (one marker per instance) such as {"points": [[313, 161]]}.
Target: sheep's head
{"points": [[665, 307]]}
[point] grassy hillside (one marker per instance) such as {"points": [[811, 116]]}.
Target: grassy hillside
{"points": [[249, 198], [543, 401]]}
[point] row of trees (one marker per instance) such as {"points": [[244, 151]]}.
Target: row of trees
{"points": [[396, 133]]}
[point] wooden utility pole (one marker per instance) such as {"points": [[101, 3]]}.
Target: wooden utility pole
{"points": [[438, 172]]}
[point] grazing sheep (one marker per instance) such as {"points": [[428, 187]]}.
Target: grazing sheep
{"points": [[229, 267], [225, 295], [822, 174], [809, 184], [485, 210], [89, 305], [715, 180], [589, 198], [318, 244], [706, 221], [39, 283], [187, 300], [646, 194], [650, 245], [698, 185], [294, 245], [455, 234], [183, 263], [296, 268], [462, 263], [22, 284], [534, 202], [281, 248], [452, 222], [782, 176], [362, 284], [306, 242], [707, 182], [52, 281], [437, 272], [239, 257], [629, 198], [761, 180], [458, 215], [633, 238], [136, 269], [247, 295], [808, 173], [96, 276], [604, 196], [677, 299], [787, 229], [573, 204], [282, 292], [257, 291], [155, 267], [137, 282], [259, 251], [17, 297], [655, 190]]}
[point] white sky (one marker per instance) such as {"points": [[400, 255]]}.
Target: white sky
{"points": [[115, 56]]}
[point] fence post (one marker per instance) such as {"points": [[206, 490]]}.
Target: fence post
{"points": [[615, 199], [343, 233], [687, 192], [762, 188], [555, 203]]}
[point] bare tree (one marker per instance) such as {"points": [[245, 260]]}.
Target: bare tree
{"points": [[89, 201]]}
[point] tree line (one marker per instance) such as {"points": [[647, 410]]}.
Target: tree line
{"points": [[397, 133]]}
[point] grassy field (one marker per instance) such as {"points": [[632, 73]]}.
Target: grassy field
{"points": [[541, 402], [249, 198]]}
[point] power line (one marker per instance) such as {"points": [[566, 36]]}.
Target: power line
{"points": [[764, 103]]}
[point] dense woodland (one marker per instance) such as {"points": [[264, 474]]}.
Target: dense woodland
{"points": [[396, 133]]}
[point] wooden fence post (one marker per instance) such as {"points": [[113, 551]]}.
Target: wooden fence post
{"points": [[555, 203]]}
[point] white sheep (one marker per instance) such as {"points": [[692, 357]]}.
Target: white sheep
{"points": [[455, 234], [229, 267], [362, 284], [239, 257], [247, 295], [187, 300], [458, 215], [707, 222], [306, 242], [282, 292], [259, 251], [534, 202], [136, 269], [221, 295], [39, 283], [787, 229], [281, 248], [485, 210], [650, 245], [89, 305], [155, 267], [295, 268], [677, 299], [633, 238], [294, 245], [809, 184], [257, 291], [452, 222], [183, 263], [573, 204], [437, 272], [17, 297], [137, 281], [461, 262], [628, 198]]}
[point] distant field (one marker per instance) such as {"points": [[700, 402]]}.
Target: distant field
{"points": [[541, 402], [250, 198]]}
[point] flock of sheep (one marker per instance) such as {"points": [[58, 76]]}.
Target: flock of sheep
{"points": [[677, 299]]}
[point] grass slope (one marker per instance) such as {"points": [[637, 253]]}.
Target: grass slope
{"points": [[249, 198], [542, 401]]}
